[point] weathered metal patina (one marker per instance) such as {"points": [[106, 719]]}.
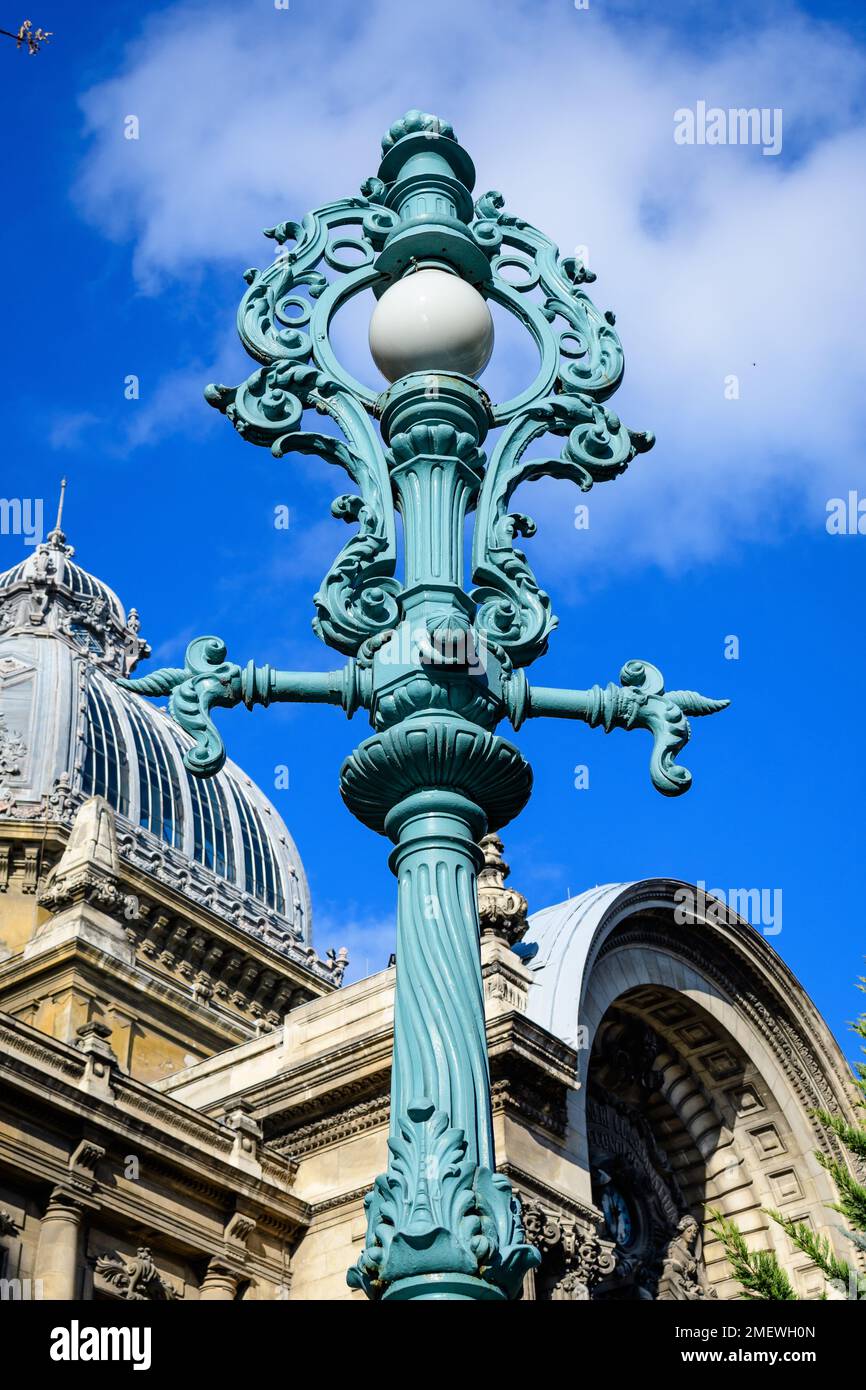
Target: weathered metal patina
{"points": [[437, 668]]}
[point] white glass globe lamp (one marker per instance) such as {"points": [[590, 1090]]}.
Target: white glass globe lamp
{"points": [[431, 321]]}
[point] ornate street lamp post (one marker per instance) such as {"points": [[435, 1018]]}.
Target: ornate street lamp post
{"points": [[437, 668]]}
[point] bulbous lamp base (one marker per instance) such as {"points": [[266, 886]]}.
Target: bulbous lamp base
{"points": [[461, 1288]]}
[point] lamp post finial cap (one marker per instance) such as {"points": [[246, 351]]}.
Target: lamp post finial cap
{"points": [[415, 122]]}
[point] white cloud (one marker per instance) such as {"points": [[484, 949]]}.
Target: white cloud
{"points": [[368, 937], [718, 261], [70, 430]]}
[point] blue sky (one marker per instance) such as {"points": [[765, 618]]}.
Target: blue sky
{"points": [[125, 257]]}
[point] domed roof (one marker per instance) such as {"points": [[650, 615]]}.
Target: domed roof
{"points": [[69, 731], [564, 934], [56, 558]]}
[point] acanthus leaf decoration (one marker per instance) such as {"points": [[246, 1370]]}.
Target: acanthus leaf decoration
{"points": [[509, 1255], [138, 1279], [435, 1212]]}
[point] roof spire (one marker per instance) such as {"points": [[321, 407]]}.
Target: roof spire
{"points": [[60, 503], [56, 538]]}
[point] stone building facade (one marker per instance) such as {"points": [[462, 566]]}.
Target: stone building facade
{"points": [[193, 1105]]}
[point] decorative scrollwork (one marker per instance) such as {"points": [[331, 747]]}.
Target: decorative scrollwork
{"points": [[269, 405], [434, 771], [262, 325], [586, 355], [359, 596], [639, 702], [283, 322], [513, 610], [357, 599], [208, 680]]}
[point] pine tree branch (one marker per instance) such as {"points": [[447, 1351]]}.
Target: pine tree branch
{"points": [[758, 1271], [818, 1248], [852, 1137], [852, 1194]]}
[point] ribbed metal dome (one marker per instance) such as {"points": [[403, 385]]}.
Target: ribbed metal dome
{"points": [[67, 575], [68, 731]]}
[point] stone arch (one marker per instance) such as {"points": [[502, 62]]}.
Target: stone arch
{"points": [[741, 1059]]}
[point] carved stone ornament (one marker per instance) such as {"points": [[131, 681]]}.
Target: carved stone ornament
{"points": [[574, 1255], [7, 1225], [51, 592], [138, 1280], [501, 911], [662, 1259], [683, 1274], [88, 870], [12, 754]]}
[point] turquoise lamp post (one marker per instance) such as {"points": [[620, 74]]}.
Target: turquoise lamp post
{"points": [[437, 667]]}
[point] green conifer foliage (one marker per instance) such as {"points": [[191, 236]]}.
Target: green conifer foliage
{"points": [[759, 1271]]}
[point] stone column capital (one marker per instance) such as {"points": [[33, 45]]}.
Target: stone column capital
{"points": [[220, 1282]]}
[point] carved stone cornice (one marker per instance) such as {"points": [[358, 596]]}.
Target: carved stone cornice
{"points": [[153, 877], [254, 981], [342, 1199], [364, 1115], [533, 1190], [321, 1085], [186, 882], [519, 1091], [188, 1146]]}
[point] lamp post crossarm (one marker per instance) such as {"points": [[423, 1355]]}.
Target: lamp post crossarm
{"points": [[639, 702], [209, 681]]}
